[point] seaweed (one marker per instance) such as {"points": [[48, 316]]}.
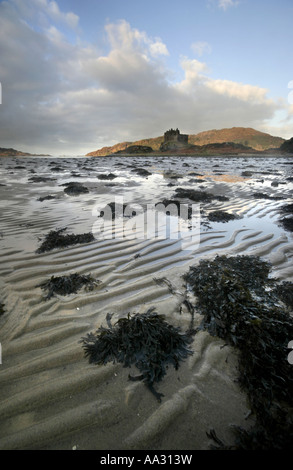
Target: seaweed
{"points": [[287, 223], [2, 310], [141, 172], [198, 196], [221, 216], [46, 198], [287, 209], [73, 188], [260, 195], [40, 179], [145, 340], [65, 285], [110, 176], [241, 304], [56, 239], [285, 292]]}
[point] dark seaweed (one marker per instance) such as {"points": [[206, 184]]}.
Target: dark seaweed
{"points": [[198, 196], [40, 179], [141, 172], [65, 285], [221, 216], [56, 239], [285, 292], [110, 176], [267, 196], [237, 305], [287, 223], [145, 340], [46, 198], [2, 310], [75, 188], [287, 209]]}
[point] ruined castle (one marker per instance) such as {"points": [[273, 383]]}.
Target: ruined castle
{"points": [[173, 139], [175, 136]]}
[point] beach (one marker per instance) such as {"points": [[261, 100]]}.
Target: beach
{"points": [[51, 397]]}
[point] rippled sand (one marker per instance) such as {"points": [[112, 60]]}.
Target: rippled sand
{"points": [[50, 397]]}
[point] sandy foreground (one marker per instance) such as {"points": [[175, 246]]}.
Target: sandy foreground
{"points": [[50, 396]]}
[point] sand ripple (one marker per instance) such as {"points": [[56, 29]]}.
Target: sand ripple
{"points": [[50, 397]]}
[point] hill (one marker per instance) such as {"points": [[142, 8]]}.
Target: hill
{"points": [[239, 135], [287, 146], [243, 136], [4, 152]]}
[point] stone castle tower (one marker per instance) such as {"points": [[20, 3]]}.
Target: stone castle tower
{"points": [[175, 136], [173, 139]]}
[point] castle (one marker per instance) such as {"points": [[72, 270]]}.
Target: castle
{"points": [[175, 136], [173, 139]]}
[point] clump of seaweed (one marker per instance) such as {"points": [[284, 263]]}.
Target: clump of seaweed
{"points": [[46, 198], [141, 171], [287, 209], [144, 340], [287, 223], [198, 196], [56, 239], [260, 195], [221, 216], [110, 176], [65, 285], [73, 188], [238, 306], [40, 179], [2, 310]]}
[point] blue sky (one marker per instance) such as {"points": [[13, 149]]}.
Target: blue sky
{"points": [[80, 75]]}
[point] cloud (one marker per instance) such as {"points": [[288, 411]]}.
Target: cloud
{"points": [[224, 4], [43, 11], [65, 97], [200, 48]]}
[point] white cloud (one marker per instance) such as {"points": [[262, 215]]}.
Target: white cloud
{"points": [[224, 4], [158, 48], [64, 97], [44, 11], [200, 48], [242, 92], [122, 37]]}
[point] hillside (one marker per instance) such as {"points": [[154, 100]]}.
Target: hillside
{"points": [[239, 135], [287, 146], [4, 152], [248, 137]]}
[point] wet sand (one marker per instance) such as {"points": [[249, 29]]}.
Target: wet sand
{"points": [[50, 396]]}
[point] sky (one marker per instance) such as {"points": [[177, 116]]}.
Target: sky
{"points": [[76, 76]]}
